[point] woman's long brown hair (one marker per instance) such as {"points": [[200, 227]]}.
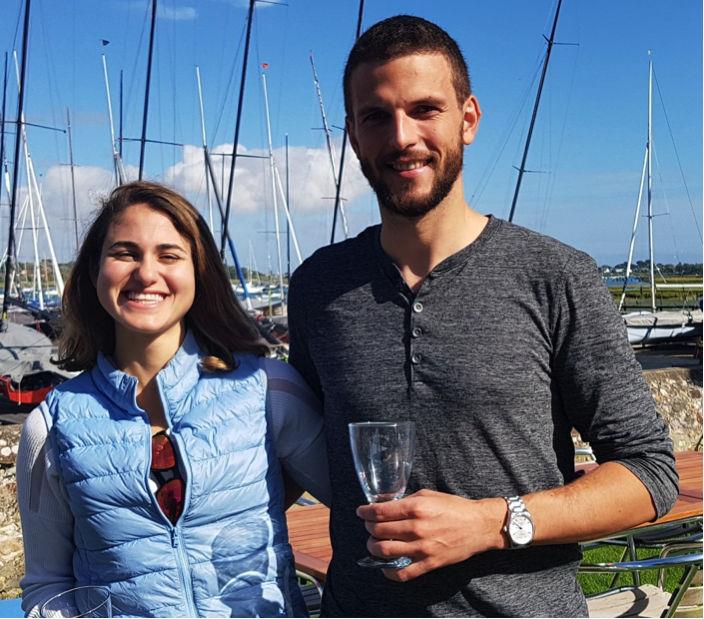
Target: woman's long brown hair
{"points": [[218, 321]]}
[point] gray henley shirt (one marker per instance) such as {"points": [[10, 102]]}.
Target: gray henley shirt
{"points": [[506, 346]]}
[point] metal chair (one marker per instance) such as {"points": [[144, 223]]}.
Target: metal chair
{"points": [[652, 600], [312, 592]]}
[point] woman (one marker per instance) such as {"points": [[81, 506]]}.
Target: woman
{"points": [[156, 471]]}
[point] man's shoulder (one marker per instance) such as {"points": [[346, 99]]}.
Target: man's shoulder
{"points": [[541, 253], [337, 260]]}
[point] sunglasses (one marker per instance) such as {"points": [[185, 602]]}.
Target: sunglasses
{"points": [[172, 488]]}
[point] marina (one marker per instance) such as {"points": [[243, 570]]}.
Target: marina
{"points": [[216, 100]]}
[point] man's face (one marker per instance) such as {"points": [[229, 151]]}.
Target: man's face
{"points": [[408, 130]]}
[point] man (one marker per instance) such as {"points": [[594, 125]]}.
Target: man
{"points": [[494, 340]]}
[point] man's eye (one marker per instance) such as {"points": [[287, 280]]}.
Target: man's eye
{"points": [[425, 110], [373, 117]]}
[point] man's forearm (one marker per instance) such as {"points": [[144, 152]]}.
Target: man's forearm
{"points": [[607, 500], [432, 527]]}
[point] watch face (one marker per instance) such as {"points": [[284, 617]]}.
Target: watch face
{"points": [[521, 530]]}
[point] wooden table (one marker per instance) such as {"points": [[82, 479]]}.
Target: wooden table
{"points": [[308, 526], [309, 537]]}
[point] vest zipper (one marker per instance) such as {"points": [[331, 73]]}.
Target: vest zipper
{"points": [[184, 570], [176, 537], [183, 566]]}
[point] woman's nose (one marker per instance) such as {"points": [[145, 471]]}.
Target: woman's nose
{"points": [[146, 271]]}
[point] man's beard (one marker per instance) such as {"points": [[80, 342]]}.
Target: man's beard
{"points": [[400, 202]]}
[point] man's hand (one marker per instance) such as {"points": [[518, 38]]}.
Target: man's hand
{"points": [[434, 529]]}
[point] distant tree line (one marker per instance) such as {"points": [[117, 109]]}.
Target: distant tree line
{"points": [[643, 266]]}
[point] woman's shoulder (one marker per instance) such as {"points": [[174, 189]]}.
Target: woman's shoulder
{"points": [[277, 369]]}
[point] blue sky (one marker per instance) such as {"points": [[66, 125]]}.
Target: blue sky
{"points": [[588, 144]]}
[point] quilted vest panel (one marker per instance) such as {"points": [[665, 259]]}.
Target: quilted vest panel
{"points": [[228, 555]]}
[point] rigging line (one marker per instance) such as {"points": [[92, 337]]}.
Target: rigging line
{"points": [[558, 158], [283, 70], [514, 118], [668, 211], [17, 27], [51, 79], [175, 117], [228, 86], [137, 57], [677, 156], [159, 99]]}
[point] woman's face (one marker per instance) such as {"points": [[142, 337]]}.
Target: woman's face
{"points": [[146, 279]]}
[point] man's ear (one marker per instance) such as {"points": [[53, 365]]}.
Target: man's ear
{"points": [[471, 114]]}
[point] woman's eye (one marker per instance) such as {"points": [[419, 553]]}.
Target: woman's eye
{"points": [[123, 255]]}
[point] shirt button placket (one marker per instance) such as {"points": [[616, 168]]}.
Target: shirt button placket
{"points": [[416, 332]]}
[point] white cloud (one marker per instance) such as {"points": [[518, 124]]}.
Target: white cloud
{"points": [[252, 207], [172, 13], [176, 13], [311, 180]]}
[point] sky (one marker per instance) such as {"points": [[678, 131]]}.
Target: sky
{"points": [[586, 154]]}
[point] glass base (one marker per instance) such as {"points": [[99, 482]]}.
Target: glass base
{"points": [[389, 564]]}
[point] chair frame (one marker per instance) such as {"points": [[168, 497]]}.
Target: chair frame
{"points": [[669, 557]]}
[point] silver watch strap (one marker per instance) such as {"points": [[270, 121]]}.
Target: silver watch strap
{"points": [[516, 505]]}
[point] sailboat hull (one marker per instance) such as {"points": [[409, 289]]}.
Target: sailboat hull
{"points": [[663, 327]]}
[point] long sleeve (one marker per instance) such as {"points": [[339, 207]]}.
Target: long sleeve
{"points": [[602, 386], [47, 522], [294, 414], [299, 356]]}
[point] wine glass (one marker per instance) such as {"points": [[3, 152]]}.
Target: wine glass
{"points": [[383, 456], [88, 601]]}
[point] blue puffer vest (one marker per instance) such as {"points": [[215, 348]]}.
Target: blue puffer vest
{"points": [[228, 555]]}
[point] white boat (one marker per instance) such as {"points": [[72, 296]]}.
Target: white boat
{"points": [[655, 326], [648, 327]]}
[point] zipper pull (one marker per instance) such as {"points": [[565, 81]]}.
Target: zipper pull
{"points": [[174, 538]]}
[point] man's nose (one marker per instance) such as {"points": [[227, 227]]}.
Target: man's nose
{"points": [[402, 131]]}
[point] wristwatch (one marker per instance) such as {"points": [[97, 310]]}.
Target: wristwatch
{"points": [[519, 528]]}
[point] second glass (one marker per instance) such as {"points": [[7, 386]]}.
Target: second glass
{"points": [[88, 601], [383, 457]]}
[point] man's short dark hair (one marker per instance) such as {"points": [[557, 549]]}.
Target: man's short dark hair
{"points": [[403, 35]]}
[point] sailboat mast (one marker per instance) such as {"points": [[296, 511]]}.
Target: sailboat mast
{"points": [[650, 181], [120, 115], [15, 170], [2, 125], [205, 150], [328, 140], [522, 169], [273, 191], [143, 139], [73, 174], [631, 244], [243, 78], [326, 127], [288, 225], [116, 156], [338, 188]]}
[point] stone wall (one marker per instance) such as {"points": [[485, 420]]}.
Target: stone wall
{"points": [[677, 393], [11, 555], [678, 397]]}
